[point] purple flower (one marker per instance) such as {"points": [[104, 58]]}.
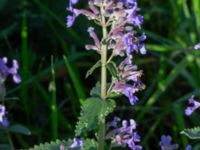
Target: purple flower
{"points": [[96, 40], [2, 112], [165, 143], [189, 147], [125, 135], [133, 43], [197, 46], [70, 20], [76, 143], [73, 2], [126, 89], [113, 123], [129, 3], [76, 12], [5, 71], [193, 106], [129, 82], [3, 120]]}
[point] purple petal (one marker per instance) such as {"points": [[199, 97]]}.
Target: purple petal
{"points": [[193, 105], [189, 147], [197, 46], [16, 78], [5, 122], [76, 143]]}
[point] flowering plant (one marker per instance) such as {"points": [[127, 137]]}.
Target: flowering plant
{"points": [[119, 20]]}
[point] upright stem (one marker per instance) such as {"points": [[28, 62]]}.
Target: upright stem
{"points": [[101, 134]]}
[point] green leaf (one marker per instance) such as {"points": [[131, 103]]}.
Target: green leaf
{"points": [[91, 70], [88, 144], [19, 129], [54, 145], [193, 133], [113, 69], [96, 91], [75, 79], [93, 112]]}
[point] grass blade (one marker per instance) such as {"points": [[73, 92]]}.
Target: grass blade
{"points": [[54, 112], [76, 81], [165, 84]]}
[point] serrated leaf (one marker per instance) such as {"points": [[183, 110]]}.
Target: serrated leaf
{"points": [[88, 144], [96, 91], [19, 129], [93, 111], [91, 70], [54, 145], [113, 69], [193, 133]]}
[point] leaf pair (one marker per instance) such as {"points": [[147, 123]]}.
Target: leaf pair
{"points": [[111, 66]]}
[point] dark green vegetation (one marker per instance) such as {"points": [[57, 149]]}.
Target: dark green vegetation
{"points": [[53, 87]]}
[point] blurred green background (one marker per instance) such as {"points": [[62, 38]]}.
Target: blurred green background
{"points": [[34, 32]]}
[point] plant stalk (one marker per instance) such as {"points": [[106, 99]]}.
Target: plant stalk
{"points": [[101, 134]]}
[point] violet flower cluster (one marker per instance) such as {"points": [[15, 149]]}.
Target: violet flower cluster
{"points": [[125, 135], [165, 143], [128, 73], [5, 70], [193, 105], [122, 19]]}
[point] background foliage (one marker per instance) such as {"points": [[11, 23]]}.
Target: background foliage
{"points": [[49, 98]]}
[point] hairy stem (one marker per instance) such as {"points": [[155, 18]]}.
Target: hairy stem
{"points": [[101, 134]]}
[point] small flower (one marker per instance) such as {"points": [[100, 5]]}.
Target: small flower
{"points": [[76, 12], [197, 46], [70, 20], [129, 83], [125, 135], [193, 106], [2, 113], [113, 123], [3, 120], [134, 43], [76, 143], [189, 147], [5, 71], [165, 143], [95, 38]]}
